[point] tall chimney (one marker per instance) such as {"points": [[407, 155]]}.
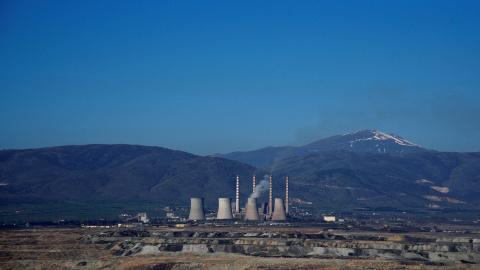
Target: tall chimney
{"points": [[252, 210], [279, 212], [254, 183], [237, 196], [196, 209], [287, 202], [224, 208], [270, 203]]}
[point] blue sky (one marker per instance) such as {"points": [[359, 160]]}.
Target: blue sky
{"points": [[204, 76]]}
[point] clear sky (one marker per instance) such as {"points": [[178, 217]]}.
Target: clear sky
{"points": [[204, 76]]}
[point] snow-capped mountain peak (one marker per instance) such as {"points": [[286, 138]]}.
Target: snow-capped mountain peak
{"points": [[380, 136], [367, 140]]}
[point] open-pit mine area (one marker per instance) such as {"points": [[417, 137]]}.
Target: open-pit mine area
{"points": [[213, 247]]}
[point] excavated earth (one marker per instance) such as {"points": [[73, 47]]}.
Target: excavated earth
{"points": [[234, 248]]}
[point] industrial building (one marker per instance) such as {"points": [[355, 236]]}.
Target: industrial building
{"points": [[228, 210]]}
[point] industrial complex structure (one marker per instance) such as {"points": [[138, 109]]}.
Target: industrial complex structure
{"points": [[228, 210]]}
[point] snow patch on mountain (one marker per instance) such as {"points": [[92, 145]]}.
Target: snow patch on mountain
{"points": [[441, 189], [374, 135]]}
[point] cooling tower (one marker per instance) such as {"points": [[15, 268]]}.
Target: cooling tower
{"points": [[224, 208], [196, 209], [252, 211], [279, 212]]}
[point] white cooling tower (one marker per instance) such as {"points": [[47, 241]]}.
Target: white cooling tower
{"points": [[196, 209], [224, 208], [279, 211], [252, 210]]}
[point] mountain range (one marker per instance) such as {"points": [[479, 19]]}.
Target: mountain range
{"points": [[121, 173], [363, 170], [429, 180], [369, 141]]}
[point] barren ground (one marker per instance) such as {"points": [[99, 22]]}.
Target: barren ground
{"points": [[57, 248]]}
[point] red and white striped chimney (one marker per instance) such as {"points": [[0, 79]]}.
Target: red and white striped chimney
{"points": [[237, 196], [286, 197], [270, 201]]}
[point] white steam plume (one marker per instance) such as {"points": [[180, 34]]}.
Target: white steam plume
{"points": [[261, 187]]}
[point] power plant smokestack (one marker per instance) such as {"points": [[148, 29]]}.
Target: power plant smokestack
{"points": [[224, 208], [270, 206], [252, 210], [237, 196], [254, 183], [287, 202], [279, 212], [196, 209]]}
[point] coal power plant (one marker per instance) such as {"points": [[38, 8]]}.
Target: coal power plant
{"points": [[252, 211]]}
